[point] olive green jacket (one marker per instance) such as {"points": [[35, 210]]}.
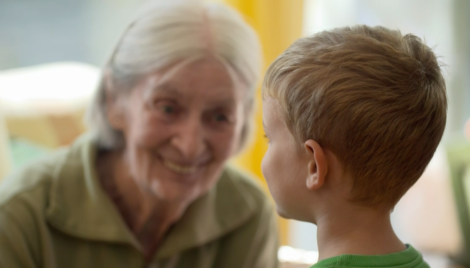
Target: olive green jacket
{"points": [[54, 213]]}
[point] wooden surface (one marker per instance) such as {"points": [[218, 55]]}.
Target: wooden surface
{"points": [[436, 261]]}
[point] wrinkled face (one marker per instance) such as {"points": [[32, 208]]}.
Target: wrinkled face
{"points": [[180, 130], [284, 166]]}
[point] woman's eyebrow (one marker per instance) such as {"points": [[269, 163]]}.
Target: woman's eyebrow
{"points": [[173, 91], [224, 103], [167, 89]]}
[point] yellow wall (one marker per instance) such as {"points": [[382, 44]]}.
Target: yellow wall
{"points": [[278, 23]]}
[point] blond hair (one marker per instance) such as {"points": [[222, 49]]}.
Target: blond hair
{"points": [[375, 98]]}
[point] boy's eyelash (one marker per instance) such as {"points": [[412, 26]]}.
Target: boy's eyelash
{"points": [[266, 138]]}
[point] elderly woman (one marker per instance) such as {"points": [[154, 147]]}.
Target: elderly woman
{"points": [[149, 185]]}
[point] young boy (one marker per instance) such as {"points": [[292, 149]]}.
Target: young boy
{"points": [[353, 116]]}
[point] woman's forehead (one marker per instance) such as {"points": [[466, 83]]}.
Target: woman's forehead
{"points": [[203, 79], [219, 94], [213, 94]]}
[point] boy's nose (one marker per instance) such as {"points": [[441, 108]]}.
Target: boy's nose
{"points": [[189, 139]]}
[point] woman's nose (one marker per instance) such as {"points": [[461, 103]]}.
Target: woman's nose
{"points": [[189, 138]]}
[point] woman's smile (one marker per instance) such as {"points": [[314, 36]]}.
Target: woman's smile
{"points": [[182, 169]]}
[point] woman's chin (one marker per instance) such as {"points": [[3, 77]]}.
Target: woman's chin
{"points": [[173, 193]]}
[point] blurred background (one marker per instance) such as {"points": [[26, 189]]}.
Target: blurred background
{"points": [[51, 52]]}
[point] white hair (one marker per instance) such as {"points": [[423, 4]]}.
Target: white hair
{"points": [[168, 32]]}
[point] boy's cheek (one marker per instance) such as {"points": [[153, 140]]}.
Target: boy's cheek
{"points": [[263, 166], [267, 168]]}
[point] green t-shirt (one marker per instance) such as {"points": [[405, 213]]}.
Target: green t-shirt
{"points": [[409, 258]]}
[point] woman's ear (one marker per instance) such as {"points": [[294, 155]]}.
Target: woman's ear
{"points": [[317, 165], [113, 110]]}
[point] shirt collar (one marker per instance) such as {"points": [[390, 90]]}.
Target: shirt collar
{"points": [[79, 207]]}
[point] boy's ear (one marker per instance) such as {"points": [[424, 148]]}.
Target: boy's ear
{"points": [[317, 165]]}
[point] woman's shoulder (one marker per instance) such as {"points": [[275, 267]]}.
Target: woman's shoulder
{"points": [[243, 178], [241, 183], [30, 178], [34, 181]]}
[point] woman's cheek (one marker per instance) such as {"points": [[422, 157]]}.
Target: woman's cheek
{"points": [[225, 142], [151, 133]]}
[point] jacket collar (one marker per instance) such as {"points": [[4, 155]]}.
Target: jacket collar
{"points": [[79, 207]]}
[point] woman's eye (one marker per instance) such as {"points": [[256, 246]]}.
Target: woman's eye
{"points": [[220, 118], [164, 108], [168, 109]]}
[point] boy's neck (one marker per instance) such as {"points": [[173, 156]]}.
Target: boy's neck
{"points": [[358, 231]]}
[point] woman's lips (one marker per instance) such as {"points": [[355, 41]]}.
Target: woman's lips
{"points": [[182, 169]]}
